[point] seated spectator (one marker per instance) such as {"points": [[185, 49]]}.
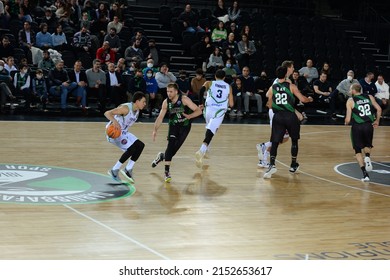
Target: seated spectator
{"points": [[262, 84], [105, 55], [309, 72], [382, 95], [143, 41], [219, 34], [116, 11], [116, 90], [249, 92], [22, 83], [121, 66], [322, 89], [326, 69], [80, 92], [63, 12], [10, 64], [25, 10], [99, 27], [5, 84], [246, 50], [189, 20], [234, 12], [43, 39], [137, 83], [237, 96], [221, 12], [368, 86], [88, 13], [134, 53], [46, 63], [202, 51], [6, 49], [197, 82], [163, 78], [59, 39], [85, 21], [152, 96], [215, 61], [246, 29], [231, 74], [97, 84], [230, 44], [227, 55], [233, 29], [152, 52], [341, 94], [114, 24], [60, 83], [103, 11], [39, 89], [113, 39], [183, 83], [150, 65], [27, 39], [82, 41], [50, 20], [304, 87]]}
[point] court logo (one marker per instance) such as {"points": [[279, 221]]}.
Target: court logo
{"points": [[379, 175], [44, 185]]}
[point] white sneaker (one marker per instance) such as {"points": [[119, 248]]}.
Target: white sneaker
{"points": [[271, 170], [365, 179], [368, 164], [260, 151], [199, 159], [263, 164]]}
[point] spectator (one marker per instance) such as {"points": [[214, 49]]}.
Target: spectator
{"points": [[183, 83], [10, 64], [150, 65], [322, 89], [46, 63], [309, 72], [22, 83], [134, 53], [116, 11], [50, 20], [85, 21], [219, 33], [105, 55], [137, 83], [246, 51], [382, 95], [39, 88], [114, 24], [221, 12], [89, 11], [234, 12], [44, 40], [163, 78], [116, 90], [152, 98], [249, 92], [61, 85], [262, 84], [59, 39], [227, 55], [196, 84], [5, 84], [230, 44], [25, 11], [113, 39], [215, 61], [233, 29], [143, 41], [368, 86], [102, 11], [97, 84], [152, 52], [229, 71], [248, 32], [27, 39], [80, 92], [82, 40], [237, 97], [202, 51], [121, 66], [189, 20], [328, 71], [99, 27], [6, 49]]}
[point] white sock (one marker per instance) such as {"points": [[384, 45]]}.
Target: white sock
{"points": [[203, 148], [117, 165], [130, 165], [265, 156], [268, 144]]}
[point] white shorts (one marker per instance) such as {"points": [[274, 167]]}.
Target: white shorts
{"points": [[214, 119], [124, 141]]}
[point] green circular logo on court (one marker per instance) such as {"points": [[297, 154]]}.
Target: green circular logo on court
{"points": [[46, 185]]}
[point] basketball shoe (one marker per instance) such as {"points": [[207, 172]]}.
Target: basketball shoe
{"points": [[271, 170], [368, 164], [199, 159], [114, 174], [260, 150], [159, 158], [168, 177], [263, 164], [366, 178], [128, 175], [294, 167]]}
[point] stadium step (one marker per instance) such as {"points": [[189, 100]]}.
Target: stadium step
{"points": [[151, 32], [162, 39], [152, 26], [173, 51]]}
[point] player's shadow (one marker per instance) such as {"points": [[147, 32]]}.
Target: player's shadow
{"points": [[204, 186], [168, 196]]}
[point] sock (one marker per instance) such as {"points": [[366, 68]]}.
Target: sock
{"points": [[167, 168], [272, 161], [365, 174], [117, 165], [203, 148], [130, 165], [367, 154], [293, 160], [268, 144]]}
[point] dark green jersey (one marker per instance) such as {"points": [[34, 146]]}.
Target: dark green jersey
{"points": [[176, 110], [282, 99], [362, 109]]}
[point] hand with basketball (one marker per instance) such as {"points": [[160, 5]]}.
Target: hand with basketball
{"points": [[113, 130]]}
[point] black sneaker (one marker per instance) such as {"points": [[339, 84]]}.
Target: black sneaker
{"points": [[159, 158], [128, 174], [294, 167]]}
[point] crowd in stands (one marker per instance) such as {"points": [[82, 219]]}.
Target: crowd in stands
{"points": [[50, 51]]}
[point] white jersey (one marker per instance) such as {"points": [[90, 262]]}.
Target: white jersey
{"points": [[126, 139], [218, 97]]}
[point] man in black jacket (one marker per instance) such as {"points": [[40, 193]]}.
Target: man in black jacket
{"points": [[80, 78], [115, 87]]}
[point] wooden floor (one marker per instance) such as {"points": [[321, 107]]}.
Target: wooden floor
{"points": [[224, 211]]}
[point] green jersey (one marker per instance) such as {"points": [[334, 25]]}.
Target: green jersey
{"points": [[176, 111], [362, 109], [282, 99]]}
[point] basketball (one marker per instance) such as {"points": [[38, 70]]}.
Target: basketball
{"points": [[113, 132]]}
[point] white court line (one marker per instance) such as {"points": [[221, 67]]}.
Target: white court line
{"points": [[340, 184], [117, 232], [336, 170], [381, 164]]}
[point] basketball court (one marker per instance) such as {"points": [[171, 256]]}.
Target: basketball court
{"points": [[56, 201]]}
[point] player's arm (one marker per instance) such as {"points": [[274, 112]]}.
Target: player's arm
{"points": [[231, 99], [196, 111], [349, 105], [120, 110], [299, 95], [203, 89], [160, 118], [269, 96], [378, 110]]}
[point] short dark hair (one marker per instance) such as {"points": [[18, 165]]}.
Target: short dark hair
{"points": [[281, 72], [199, 71], [287, 63], [220, 74], [138, 95]]}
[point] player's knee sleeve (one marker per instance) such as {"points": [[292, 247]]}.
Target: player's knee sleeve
{"points": [[208, 137], [138, 148], [294, 147]]}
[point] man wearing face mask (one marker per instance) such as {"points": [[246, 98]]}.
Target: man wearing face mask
{"points": [[150, 66], [50, 20], [113, 39], [152, 52], [341, 94], [152, 98]]}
